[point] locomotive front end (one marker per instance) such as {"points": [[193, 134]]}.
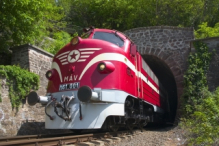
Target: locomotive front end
{"points": [[83, 86]]}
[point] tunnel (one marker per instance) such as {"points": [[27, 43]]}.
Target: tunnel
{"points": [[165, 76]]}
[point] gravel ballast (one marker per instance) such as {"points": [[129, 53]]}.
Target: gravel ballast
{"points": [[168, 136]]}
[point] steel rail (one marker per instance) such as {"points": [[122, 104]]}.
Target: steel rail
{"points": [[15, 138], [62, 140]]}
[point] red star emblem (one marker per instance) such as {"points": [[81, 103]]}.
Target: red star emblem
{"points": [[73, 56]]}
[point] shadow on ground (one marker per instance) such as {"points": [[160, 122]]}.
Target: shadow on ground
{"points": [[35, 128]]}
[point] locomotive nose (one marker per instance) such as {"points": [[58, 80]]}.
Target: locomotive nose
{"points": [[85, 94]]}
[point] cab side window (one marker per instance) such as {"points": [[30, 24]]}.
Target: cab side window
{"points": [[109, 37]]}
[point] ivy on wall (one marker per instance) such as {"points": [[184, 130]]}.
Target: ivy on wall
{"points": [[0, 91], [20, 82], [200, 107], [195, 79]]}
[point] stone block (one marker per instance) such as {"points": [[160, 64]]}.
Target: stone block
{"points": [[6, 122], [176, 71], [2, 132], [157, 52], [152, 51], [179, 78], [147, 50], [163, 55]]}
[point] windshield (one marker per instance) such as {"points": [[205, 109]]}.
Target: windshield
{"points": [[109, 37]]}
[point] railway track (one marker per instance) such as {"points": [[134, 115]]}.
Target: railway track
{"points": [[61, 139]]}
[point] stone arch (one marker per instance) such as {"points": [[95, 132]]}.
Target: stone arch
{"points": [[166, 47]]}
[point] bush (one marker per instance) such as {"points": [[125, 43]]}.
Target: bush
{"points": [[203, 123], [200, 107]]}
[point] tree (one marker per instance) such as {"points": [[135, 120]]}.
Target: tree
{"points": [[127, 14], [210, 12], [204, 31], [26, 21], [54, 44]]}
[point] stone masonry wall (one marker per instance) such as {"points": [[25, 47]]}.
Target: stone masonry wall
{"points": [[40, 62], [27, 120], [35, 60], [20, 56], [212, 75], [11, 121]]}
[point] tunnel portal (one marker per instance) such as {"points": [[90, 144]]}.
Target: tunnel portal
{"points": [[166, 50], [165, 76]]}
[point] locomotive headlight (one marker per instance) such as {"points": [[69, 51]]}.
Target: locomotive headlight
{"points": [[75, 41], [102, 66], [105, 67], [49, 74]]}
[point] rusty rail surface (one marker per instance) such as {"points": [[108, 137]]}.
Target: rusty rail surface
{"points": [[40, 141], [16, 138]]}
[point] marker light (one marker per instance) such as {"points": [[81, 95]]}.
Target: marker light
{"points": [[105, 67], [49, 74], [75, 41]]}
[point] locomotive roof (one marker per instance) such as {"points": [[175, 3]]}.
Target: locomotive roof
{"points": [[113, 31]]}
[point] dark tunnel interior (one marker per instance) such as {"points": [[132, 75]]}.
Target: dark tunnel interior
{"points": [[165, 76]]}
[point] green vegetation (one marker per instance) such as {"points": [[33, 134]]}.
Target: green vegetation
{"points": [[203, 122], [0, 91], [50, 24], [20, 82], [200, 107], [126, 14], [204, 31], [27, 21], [195, 79], [60, 39]]}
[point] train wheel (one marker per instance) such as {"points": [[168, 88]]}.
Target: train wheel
{"points": [[111, 125], [129, 125], [113, 128], [141, 125]]}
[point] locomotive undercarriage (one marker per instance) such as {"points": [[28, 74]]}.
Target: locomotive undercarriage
{"points": [[137, 114], [59, 107]]}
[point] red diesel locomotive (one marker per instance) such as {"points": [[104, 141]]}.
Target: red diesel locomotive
{"points": [[98, 81]]}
